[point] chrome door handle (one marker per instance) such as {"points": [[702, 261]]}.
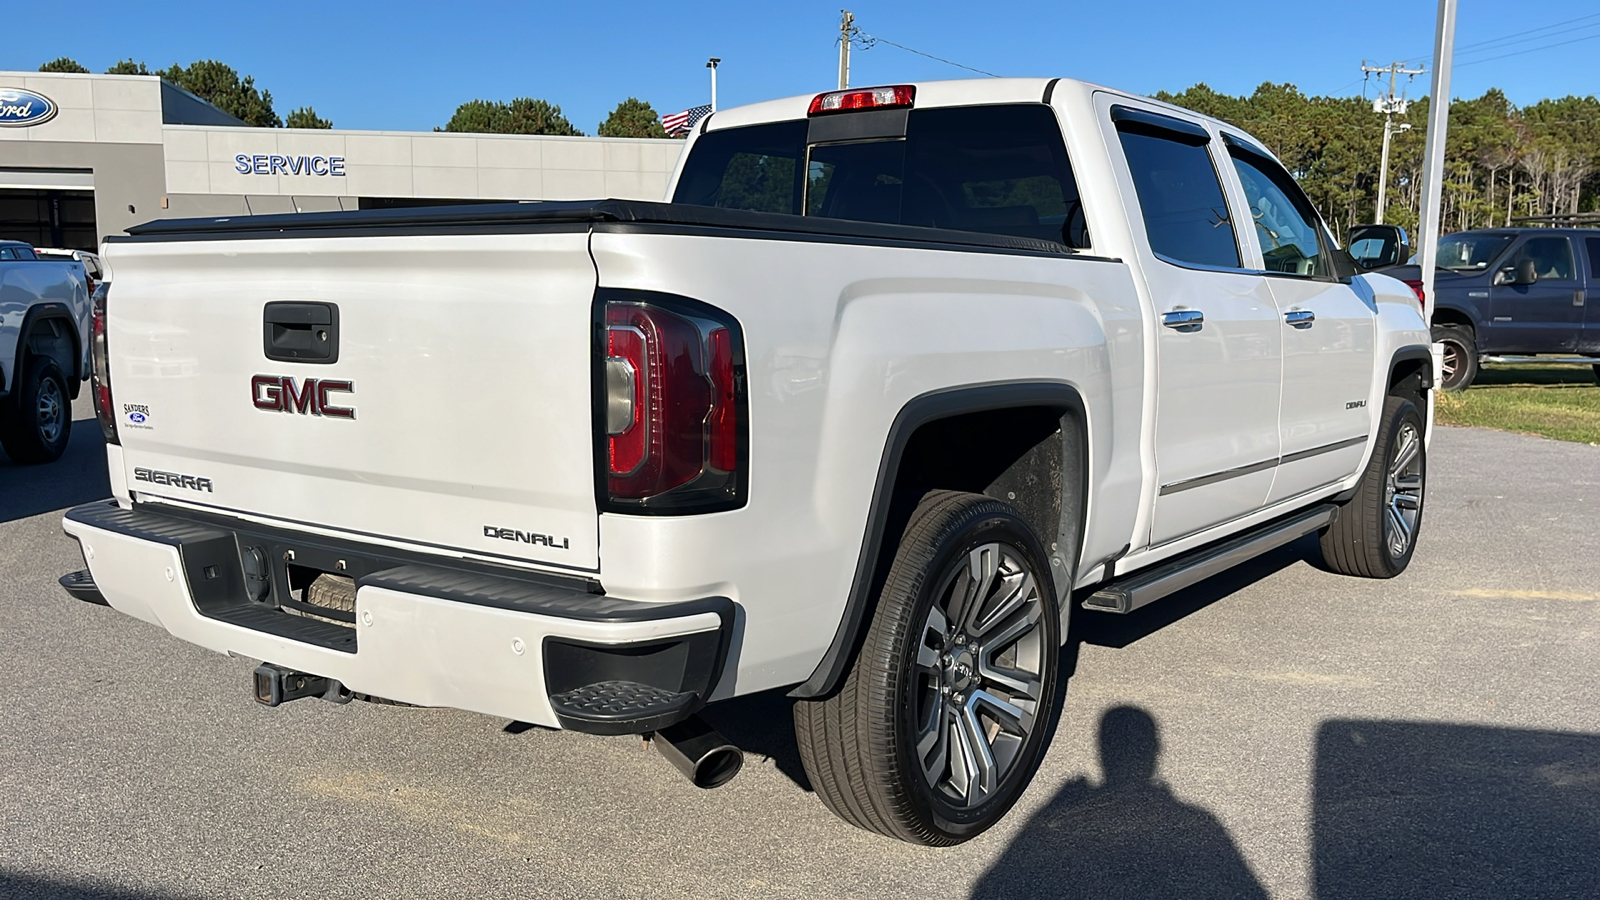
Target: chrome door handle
{"points": [[1184, 319], [1300, 318], [1578, 297]]}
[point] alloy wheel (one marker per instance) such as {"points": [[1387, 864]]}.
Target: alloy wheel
{"points": [[51, 411], [1403, 490], [979, 675], [1451, 363]]}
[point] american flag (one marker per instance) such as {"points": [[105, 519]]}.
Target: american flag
{"points": [[682, 122]]}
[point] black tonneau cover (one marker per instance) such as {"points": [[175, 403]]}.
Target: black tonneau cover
{"points": [[488, 218]]}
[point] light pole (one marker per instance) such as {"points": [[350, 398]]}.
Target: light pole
{"points": [[1444, 42], [712, 65]]}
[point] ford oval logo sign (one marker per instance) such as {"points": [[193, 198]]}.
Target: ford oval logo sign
{"points": [[20, 108]]}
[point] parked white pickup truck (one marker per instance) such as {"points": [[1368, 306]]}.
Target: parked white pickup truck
{"points": [[900, 379], [44, 345]]}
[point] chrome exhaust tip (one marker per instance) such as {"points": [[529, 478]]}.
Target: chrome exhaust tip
{"points": [[700, 752]]}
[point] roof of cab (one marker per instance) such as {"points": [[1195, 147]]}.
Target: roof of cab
{"points": [[958, 92]]}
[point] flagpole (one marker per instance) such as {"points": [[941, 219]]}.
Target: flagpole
{"points": [[712, 65]]}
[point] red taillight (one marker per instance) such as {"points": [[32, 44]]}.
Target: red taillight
{"points": [[863, 98], [672, 410], [104, 410], [1416, 288], [722, 426]]}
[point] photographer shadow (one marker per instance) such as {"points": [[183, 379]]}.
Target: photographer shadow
{"points": [[1130, 836]]}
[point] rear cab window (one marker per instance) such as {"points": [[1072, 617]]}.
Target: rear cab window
{"points": [[1000, 169]]}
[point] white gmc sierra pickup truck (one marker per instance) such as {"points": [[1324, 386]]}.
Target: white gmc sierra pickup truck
{"points": [[899, 379]]}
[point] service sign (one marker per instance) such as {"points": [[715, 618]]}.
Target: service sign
{"points": [[20, 108]]}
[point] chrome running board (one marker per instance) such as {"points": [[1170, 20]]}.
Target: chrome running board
{"points": [[1149, 585]]}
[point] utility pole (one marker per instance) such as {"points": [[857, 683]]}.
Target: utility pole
{"points": [[1388, 104], [1444, 43], [712, 65], [847, 30]]}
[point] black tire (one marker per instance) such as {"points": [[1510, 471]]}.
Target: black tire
{"points": [[36, 420], [1361, 539], [1460, 356], [914, 678]]}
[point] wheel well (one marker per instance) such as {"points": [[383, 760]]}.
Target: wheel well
{"points": [[1446, 316], [52, 337], [1025, 444], [1014, 455], [1412, 377]]}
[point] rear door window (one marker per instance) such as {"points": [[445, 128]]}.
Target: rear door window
{"points": [[1593, 244], [1180, 196], [1551, 258]]}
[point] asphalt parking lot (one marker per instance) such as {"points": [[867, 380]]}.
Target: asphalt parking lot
{"points": [[1278, 731]]}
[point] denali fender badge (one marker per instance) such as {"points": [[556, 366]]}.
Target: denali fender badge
{"points": [[174, 479], [278, 393], [526, 537]]}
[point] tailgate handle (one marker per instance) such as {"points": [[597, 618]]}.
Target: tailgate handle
{"points": [[301, 332]]}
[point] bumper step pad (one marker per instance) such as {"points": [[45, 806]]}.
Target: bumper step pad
{"points": [[620, 707], [81, 586]]}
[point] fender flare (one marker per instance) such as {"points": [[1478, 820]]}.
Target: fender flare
{"points": [[1411, 352], [40, 312], [930, 407]]}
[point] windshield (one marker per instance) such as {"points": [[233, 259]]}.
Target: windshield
{"points": [[1471, 252]]}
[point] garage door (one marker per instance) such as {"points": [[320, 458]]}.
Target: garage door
{"points": [[48, 207]]}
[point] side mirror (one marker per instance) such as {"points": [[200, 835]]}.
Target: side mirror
{"points": [[1378, 246], [1519, 274]]}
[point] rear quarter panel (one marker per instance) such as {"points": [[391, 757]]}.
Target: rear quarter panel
{"points": [[839, 338]]}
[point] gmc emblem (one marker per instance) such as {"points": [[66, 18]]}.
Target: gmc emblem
{"points": [[278, 393]]}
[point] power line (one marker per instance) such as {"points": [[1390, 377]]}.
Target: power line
{"points": [[1502, 38], [1529, 50], [869, 40], [1541, 37]]}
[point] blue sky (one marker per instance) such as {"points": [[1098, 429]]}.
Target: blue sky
{"points": [[405, 65]]}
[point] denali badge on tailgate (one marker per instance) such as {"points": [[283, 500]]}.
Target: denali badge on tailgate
{"points": [[279, 394], [526, 537]]}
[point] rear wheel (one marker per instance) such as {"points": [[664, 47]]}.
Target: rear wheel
{"points": [[35, 424], [954, 695], [1374, 534], [1460, 362]]}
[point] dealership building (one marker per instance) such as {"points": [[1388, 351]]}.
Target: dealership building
{"points": [[85, 156]]}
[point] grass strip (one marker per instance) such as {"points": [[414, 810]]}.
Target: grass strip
{"points": [[1556, 401]]}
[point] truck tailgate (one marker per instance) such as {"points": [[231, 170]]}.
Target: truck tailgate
{"points": [[457, 415]]}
